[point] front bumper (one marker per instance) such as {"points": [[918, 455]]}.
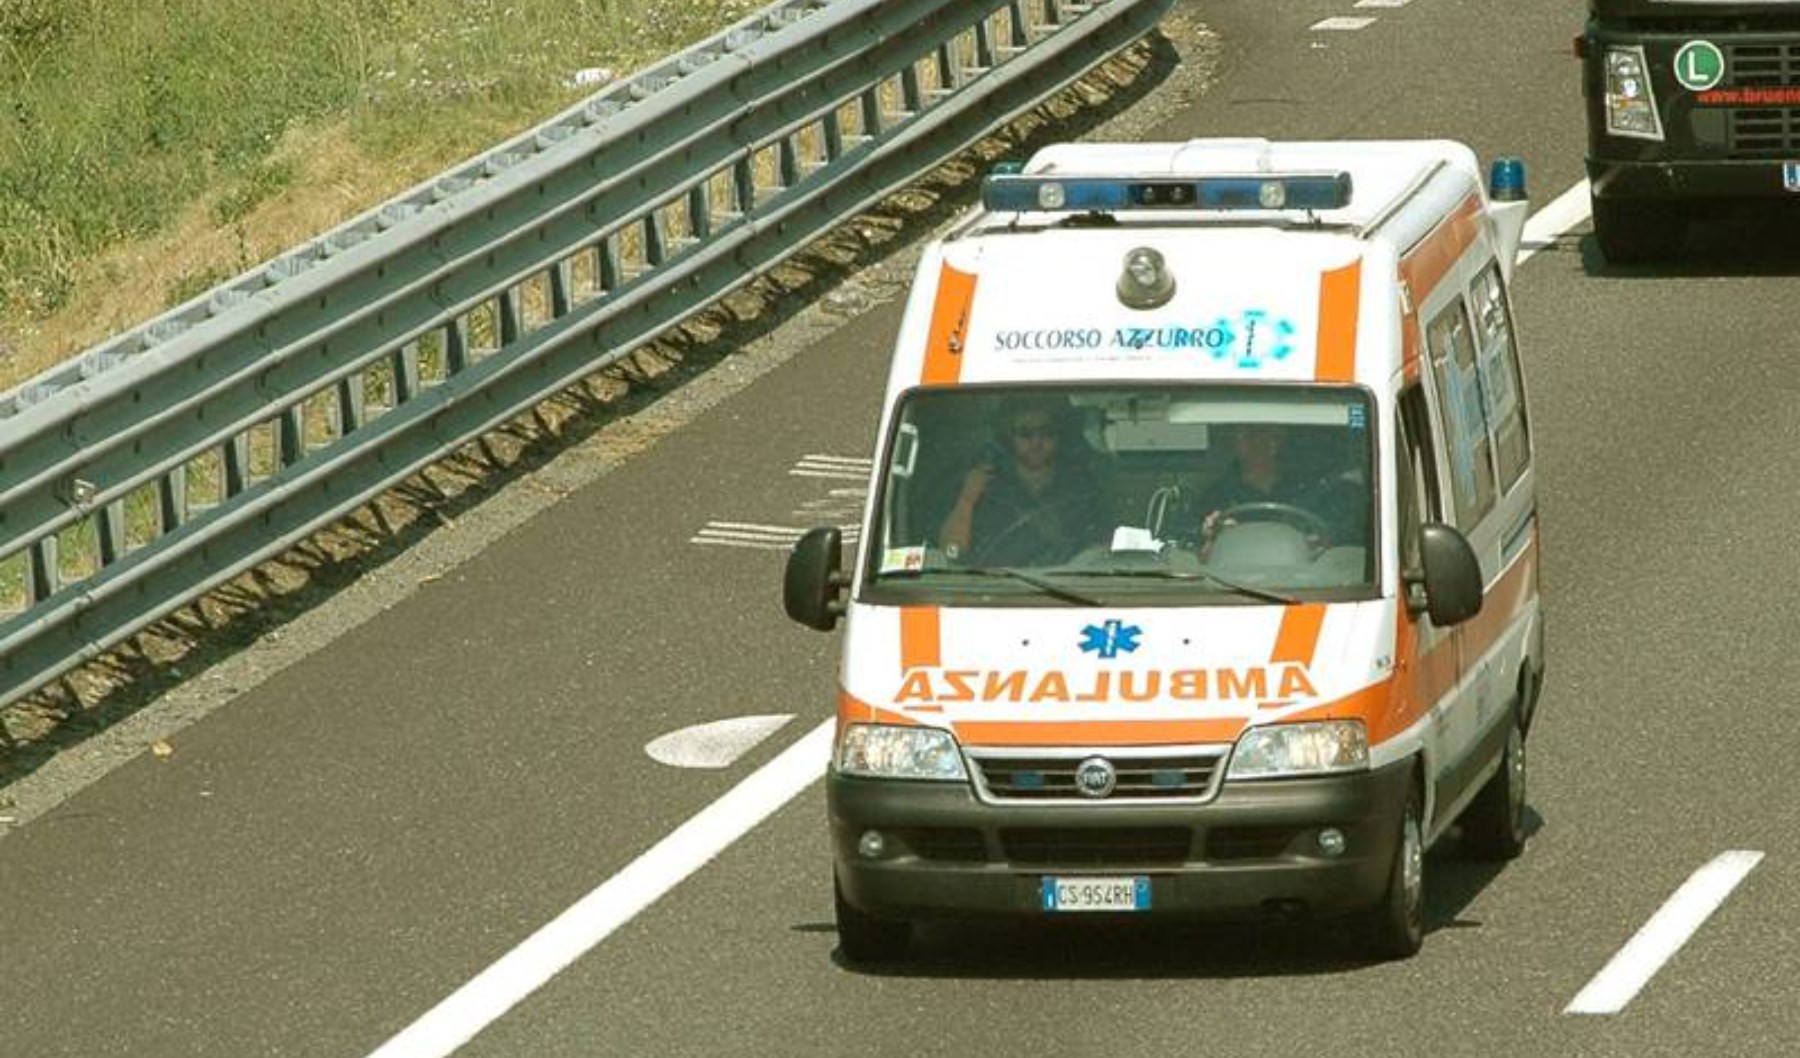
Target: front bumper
{"points": [[1251, 850], [1672, 180]]}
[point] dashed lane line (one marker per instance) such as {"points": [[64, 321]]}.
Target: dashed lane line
{"points": [[1677, 920]]}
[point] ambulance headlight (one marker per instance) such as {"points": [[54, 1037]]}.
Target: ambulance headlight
{"points": [[1145, 282], [884, 751], [1300, 749], [1630, 101]]}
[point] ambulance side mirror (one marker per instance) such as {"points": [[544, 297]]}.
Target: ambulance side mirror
{"points": [[1449, 574], [813, 590]]}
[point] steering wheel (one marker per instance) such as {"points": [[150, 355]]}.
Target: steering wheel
{"points": [[1309, 524]]}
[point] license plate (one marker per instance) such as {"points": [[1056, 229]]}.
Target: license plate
{"points": [[1096, 894]]}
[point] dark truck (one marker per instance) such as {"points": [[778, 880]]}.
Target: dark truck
{"points": [[1691, 105]]}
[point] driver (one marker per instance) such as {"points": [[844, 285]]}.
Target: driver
{"points": [[1030, 501], [1257, 475]]}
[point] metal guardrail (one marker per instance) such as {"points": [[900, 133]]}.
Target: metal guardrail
{"points": [[178, 455]]}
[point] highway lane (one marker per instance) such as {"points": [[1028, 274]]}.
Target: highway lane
{"points": [[332, 854]]}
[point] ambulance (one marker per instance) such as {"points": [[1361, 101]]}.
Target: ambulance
{"points": [[1199, 575]]}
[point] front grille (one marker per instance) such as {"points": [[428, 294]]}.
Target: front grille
{"points": [[1113, 846], [1763, 65], [1174, 775], [1765, 132]]}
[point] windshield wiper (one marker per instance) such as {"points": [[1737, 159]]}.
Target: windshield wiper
{"points": [[1047, 587], [1247, 590]]}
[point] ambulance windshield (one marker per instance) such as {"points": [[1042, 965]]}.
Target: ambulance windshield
{"points": [[1190, 493]]}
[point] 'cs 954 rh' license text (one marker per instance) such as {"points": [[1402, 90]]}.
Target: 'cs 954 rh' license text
{"points": [[1096, 894]]}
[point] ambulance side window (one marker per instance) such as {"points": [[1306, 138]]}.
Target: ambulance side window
{"points": [[1472, 480], [1501, 382]]}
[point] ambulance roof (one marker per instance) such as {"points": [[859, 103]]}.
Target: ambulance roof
{"points": [[1258, 294], [1379, 174]]}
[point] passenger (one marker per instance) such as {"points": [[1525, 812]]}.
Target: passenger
{"points": [[1031, 501]]}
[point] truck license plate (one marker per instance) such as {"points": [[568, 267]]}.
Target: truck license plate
{"points": [[1096, 894]]}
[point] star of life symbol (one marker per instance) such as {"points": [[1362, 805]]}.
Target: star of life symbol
{"points": [[1254, 339], [1109, 638]]}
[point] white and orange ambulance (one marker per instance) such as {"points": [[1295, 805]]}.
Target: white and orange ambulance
{"points": [[1199, 573]]}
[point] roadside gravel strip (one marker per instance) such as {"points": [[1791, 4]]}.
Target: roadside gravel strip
{"points": [[1184, 58]]}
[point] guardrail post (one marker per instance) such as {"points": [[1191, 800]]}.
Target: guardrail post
{"points": [[293, 436], [743, 184], [699, 208], [612, 268], [511, 322], [43, 569], [237, 465], [787, 153], [910, 96], [656, 239], [947, 75], [406, 373], [562, 282], [352, 406], [872, 121], [109, 525], [1020, 35], [984, 46], [456, 346], [171, 500]]}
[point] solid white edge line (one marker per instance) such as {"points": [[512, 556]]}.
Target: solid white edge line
{"points": [[587, 922], [1665, 933], [1567, 210]]}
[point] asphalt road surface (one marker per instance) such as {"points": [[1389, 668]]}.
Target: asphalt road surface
{"points": [[363, 829]]}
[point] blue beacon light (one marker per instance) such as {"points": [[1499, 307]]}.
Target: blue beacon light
{"points": [[1506, 180]]}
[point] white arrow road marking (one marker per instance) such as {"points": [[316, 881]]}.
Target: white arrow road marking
{"points": [[590, 920], [843, 468], [753, 535], [1664, 934], [714, 745]]}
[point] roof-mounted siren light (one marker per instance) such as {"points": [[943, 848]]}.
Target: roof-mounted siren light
{"points": [[1145, 282], [1508, 206], [1308, 192]]}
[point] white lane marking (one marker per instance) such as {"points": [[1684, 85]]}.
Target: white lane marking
{"points": [[835, 475], [588, 921], [1567, 210], [715, 745], [865, 462], [1381, 3], [1342, 24], [1664, 934]]}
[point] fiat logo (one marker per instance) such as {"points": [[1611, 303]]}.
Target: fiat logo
{"points": [[1095, 777]]}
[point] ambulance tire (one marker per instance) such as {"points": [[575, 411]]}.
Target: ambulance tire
{"points": [[864, 938], [1493, 826], [1632, 232], [1395, 927]]}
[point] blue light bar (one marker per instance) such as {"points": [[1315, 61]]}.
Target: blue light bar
{"points": [[1005, 193]]}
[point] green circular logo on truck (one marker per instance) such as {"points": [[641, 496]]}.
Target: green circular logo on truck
{"points": [[1699, 65]]}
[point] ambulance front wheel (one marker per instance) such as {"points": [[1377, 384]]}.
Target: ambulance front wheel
{"points": [[1638, 231], [1493, 825], [1395, 927], [864, 938]]}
